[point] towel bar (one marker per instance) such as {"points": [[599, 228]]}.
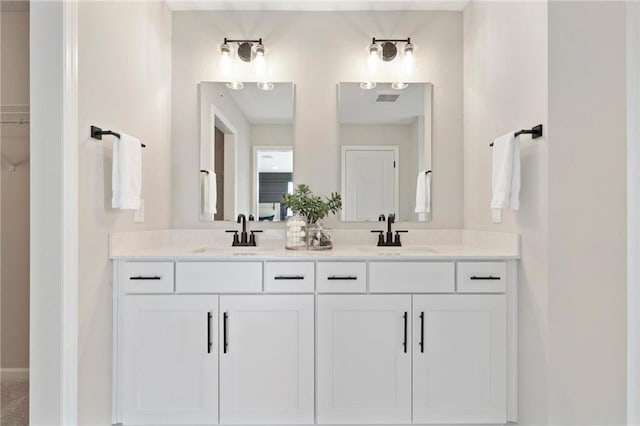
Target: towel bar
{"points": [[535, 132], [97, 132]]}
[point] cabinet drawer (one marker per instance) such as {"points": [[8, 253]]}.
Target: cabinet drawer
{"points": [[342, 277], [411, 277], [147, 277], [289, 277], [482, 277], [219, 277]]}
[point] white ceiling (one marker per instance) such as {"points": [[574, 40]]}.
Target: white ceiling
{"points": [[264, 107], [317, 5], [358, 106], [275, 161]]}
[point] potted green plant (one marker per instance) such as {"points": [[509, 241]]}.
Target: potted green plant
{"points": [[313, 208]]}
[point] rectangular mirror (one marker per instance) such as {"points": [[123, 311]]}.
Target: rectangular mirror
{"points": [[246, 150], [385, 138]]}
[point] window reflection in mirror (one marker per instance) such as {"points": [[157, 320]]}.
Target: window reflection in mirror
{"points": [[246, 150], [385, 137], [274, 179]]}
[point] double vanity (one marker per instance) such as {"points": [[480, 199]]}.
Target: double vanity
{"points": [[206, 333]]}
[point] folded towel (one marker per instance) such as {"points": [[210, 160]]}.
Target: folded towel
{"points": [[423, 192], [506, 172], [126, 177], [211, 193]]}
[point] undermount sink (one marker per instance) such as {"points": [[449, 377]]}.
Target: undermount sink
{"points": [[396, 251], [233, 251]]}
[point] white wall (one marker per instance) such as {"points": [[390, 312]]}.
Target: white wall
{"points": [[316, 50], [15, 191], [587, 213], [505, 88], [125, 85]]}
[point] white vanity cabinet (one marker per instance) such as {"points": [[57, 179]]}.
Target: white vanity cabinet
{"points": [[297, 341], [169, 360], [266, 359], [459, 361], [364, 359]]}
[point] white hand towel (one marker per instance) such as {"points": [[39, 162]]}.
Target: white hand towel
{"points": [[126, 178], [506, 172], [423, 192], [211, 191]]}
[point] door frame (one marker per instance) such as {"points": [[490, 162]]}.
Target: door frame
{"points": [[53, 352], [343, 172]]}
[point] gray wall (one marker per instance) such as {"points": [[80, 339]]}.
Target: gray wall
{"points": [[587, 213], [15, 191]]}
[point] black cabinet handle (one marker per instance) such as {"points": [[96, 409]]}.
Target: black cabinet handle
{"points": [[224, 332], [209, 343], [406, 325], [141, 278], [487, 278], [342, 278], [422, 332], [289, 277]]}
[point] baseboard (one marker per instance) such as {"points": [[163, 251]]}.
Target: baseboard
{"points": [[21, 374]]}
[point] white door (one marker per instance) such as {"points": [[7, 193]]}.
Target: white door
{"points": [[459, 362], [266, 362], [370, 183], [170, 360], [364, 359]]}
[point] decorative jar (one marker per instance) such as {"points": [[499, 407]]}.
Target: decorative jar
{"points": [[295, 233], [319, 238]]}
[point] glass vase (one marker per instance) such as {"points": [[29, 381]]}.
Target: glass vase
{"points": [[319, 238], [295, 236]]}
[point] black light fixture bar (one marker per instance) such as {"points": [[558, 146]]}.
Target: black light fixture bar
{"points": [[226, 40], [392, 40]]}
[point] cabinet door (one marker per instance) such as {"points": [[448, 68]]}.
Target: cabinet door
{"points": [[170, 360], [266, 360], [364, 359], [459, 362]]}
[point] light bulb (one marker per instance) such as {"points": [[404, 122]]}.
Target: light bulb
{"points": [[374, 57], [368, 85], [408, 58], [235, 85], [265, 85], [225, 58], [399, 85]]}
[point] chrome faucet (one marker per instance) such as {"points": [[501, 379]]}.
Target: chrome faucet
{"points": [[389, 241], [244, 240]]}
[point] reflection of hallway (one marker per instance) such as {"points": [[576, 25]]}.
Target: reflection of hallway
{"points": [[15, 399]]}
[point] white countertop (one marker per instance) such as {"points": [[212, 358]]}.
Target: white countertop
{"points": [[187, 245]]}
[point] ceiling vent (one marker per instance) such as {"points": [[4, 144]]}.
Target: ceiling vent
{"points": [[384, 97]]}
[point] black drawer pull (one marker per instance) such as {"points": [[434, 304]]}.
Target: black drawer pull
{"points": [[489, 278], [342, 278], [141, 278], [406, 325], [209, 342], [289, 277], [421, 332], [225, 344]]}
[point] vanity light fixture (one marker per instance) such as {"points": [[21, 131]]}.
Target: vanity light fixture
{"points": [[387, 50], [247, 51]]}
